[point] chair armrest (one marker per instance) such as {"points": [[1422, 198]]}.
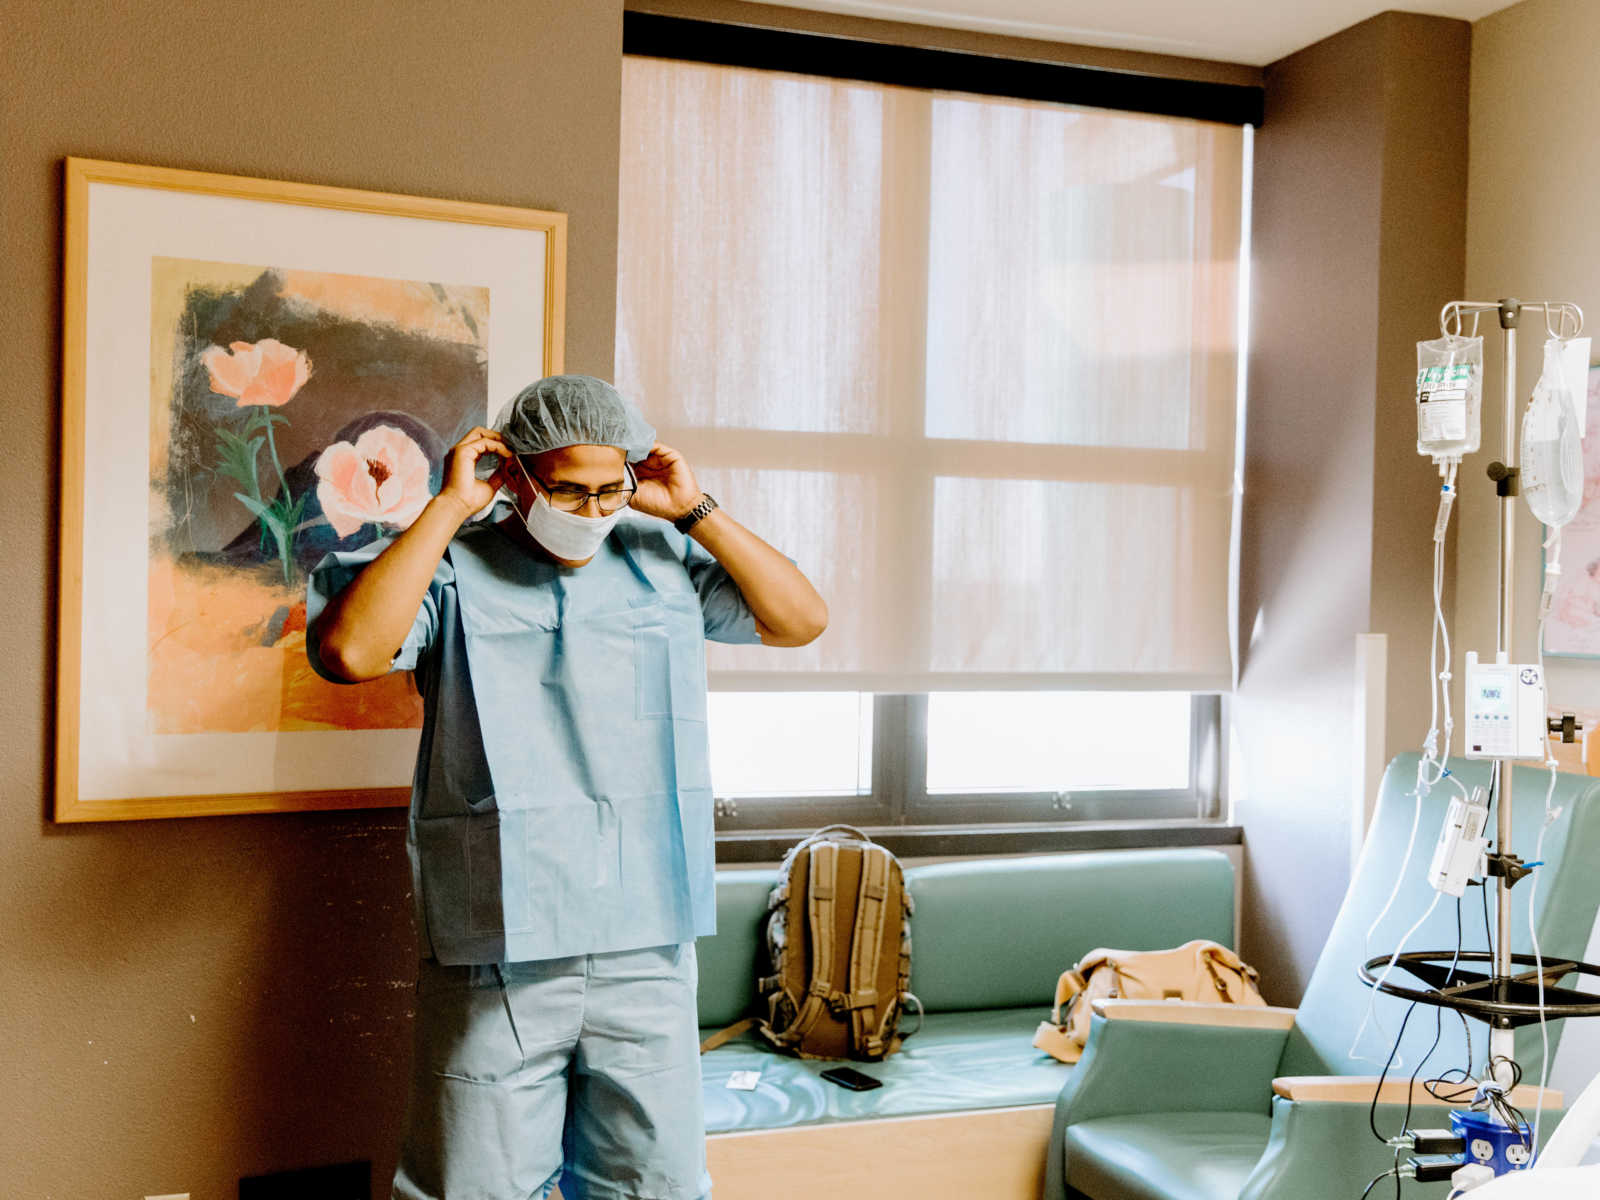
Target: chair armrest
{"points": [[1358, 1089], [1187, 1012], [1132, 1066]]}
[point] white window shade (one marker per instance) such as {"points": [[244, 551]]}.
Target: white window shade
{"points": [[971, 362]]}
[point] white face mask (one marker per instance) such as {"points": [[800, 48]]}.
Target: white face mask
{"points": [[566, 535]]}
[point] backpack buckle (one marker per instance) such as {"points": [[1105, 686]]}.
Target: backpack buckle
{"points": [[840, 1002]]}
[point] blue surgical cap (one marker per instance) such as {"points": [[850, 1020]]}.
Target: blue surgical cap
{"points": [[574, 410]]}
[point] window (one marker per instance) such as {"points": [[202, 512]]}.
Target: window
{"points": [[782, 760], [972, 362]]}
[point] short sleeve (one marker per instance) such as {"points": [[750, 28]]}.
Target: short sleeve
{"points": [[727, 616], [335, 572]]}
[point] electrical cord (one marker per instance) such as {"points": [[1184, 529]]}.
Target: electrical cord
{"points": [[1372, 1109], [1484, 1095], [1438, 1022], [1488, 931], [1376, 1179], [1393, 1172], [1393, 1059], [1438, 1028]]}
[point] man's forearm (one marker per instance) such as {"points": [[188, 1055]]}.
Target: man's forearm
{"points": [[788, 610], [367, 622]]}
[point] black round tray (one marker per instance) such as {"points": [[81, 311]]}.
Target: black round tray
{"points": [[1505, 1001]]}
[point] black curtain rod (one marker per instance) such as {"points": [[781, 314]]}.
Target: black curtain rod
{"points": [[653, 35]]}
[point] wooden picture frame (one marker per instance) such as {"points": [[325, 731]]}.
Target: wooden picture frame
{"points": [[229, 345]]}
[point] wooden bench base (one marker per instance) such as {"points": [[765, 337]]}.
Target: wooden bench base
{"points": [[980, 1154], [993, 1153]]}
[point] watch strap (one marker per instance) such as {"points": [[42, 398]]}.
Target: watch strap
{"points": [[695, 515]]}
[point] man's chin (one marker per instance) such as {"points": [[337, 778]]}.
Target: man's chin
{"points": [[563, 562], [520, 530]]}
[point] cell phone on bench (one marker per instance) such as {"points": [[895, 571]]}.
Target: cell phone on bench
{"points": [[848, 1077]]}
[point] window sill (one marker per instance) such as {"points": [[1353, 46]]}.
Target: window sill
{"points": [[918, 841]]}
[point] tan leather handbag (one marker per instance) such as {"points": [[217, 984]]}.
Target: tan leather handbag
{"points": [[1202, 971]]}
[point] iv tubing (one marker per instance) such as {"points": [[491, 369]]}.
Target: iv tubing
{"points": [[1553, 544], [1438, 684]]}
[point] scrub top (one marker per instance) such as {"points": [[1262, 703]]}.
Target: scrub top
{"points": [[562, 802]]}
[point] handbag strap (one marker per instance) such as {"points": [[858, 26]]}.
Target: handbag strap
{"points": [[1068, 987]]}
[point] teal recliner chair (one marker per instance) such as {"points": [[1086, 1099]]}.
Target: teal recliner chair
{"points": [[1162, 1108]]}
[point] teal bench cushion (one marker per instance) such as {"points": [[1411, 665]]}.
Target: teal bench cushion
{"points": [[996, 933], [990, 937], [736, 954], [958, 1061]]}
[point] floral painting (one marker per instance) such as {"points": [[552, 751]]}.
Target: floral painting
{"points": [[1573, 626], [292, 413]]}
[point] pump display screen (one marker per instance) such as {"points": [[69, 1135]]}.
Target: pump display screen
{"points": [[1494, 700], [1505, 710]]}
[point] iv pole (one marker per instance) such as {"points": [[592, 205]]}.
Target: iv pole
{"points": [[1501, 998], [1506, 475]]}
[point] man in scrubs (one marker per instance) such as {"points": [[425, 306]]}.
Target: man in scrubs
{"points": [[560, 830]]}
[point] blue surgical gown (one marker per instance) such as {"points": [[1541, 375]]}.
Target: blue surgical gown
{"points": [[561, 802]]}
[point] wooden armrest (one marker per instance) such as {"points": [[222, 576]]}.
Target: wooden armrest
{"points": [[1358, 1089], [1187, 1012]]}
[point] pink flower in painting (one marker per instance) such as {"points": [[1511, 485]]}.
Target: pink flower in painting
{"points": [[265, 372], [381, 478]]}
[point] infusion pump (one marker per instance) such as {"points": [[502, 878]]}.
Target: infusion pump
{"points": [[1505, 710]]}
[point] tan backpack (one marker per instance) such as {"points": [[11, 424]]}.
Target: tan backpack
{"points": [[1199, 971], [839, 944]]}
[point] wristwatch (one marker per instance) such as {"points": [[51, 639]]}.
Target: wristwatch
{"points": [[694, 516]]}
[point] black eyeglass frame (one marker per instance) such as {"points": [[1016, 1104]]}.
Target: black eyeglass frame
{"points": [[549, 491]]}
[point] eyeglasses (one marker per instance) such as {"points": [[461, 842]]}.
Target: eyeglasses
{"points": [[570, 497]]}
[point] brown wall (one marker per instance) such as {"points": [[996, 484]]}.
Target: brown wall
{"points": [[1359, 213], [1531, 233], [182, 1002], [185, 1001]]}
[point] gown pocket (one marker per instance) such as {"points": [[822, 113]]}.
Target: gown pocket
{"points": [[669, 661]]}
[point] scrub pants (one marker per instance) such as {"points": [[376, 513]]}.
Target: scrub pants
{"points": [[582, 1070]]}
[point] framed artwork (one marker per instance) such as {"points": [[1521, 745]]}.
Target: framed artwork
{"points": [[255, 373], [1573, 627]]}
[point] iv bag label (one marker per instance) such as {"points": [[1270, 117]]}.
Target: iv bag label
{"points": [[1456, 375], [1442, 416]]}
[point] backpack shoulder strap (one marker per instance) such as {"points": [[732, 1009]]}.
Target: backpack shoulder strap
{"points": [[823, 875], [727, 1035], [865, 948]]}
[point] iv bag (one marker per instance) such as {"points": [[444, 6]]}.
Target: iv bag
{"points": [[1449, 395], [1552, 454]]}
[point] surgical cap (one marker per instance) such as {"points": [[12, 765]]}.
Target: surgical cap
{"points": [[574, 410]]}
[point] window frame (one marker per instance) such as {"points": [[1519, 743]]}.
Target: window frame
{"points": [[899, 797]]}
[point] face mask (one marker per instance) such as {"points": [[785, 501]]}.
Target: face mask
{"points": [[567, 535]]}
